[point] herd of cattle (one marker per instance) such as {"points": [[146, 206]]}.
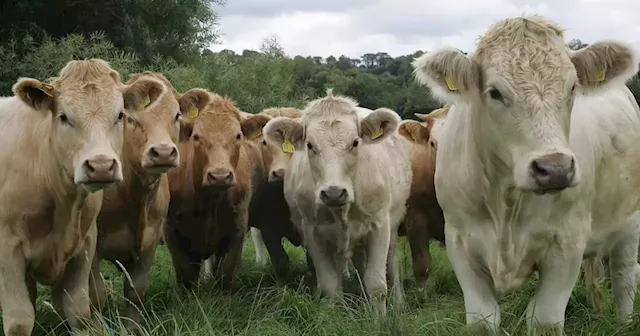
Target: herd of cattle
{"points": [[537, 168]]}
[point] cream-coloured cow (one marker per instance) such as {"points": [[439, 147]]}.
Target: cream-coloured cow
{"points": [[346, 186], [60, 146], [538, 166]]}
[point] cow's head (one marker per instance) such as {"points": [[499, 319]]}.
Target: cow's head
{"points": [[151, 129], [215, 128], [419, 133], [86, 104], [520, 84], [275, 158], [331, 134]]}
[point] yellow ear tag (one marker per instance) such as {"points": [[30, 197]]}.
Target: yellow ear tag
{"points": [[288, 147], [192, 113], [601, 75], [256, 134], [376, 134], [144, 102], [450, 84]]}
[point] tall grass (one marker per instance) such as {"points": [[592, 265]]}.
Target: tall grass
{"points": [[258, 306]]}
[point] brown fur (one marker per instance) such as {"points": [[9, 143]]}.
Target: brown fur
{"points": [[424, 219], [205, 221], [133, 211]]}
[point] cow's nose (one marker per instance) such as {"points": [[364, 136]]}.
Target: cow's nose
{"points": [[220, 177], [276, 175], [553, 171], [334, 196], [163, 154], [100, 168]]}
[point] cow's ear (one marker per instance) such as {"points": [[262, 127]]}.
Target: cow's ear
{"points": [[284, 133], [605, 63], [142, 93], [252, 125], [378, 125], [449, 74], [193, 102], [34, 93], [414, 131]]}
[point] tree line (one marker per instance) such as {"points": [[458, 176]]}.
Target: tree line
{"points": [[38, 37]]}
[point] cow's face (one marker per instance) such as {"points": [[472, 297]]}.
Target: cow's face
{"points": [[151, 132], [521, 84], [276, 160], [331, 135], [217, 133], [86, 103]]}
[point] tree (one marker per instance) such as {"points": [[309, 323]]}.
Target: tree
{"points": [[576, 44]]}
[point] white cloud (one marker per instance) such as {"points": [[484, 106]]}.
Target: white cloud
{"points": [[356, 27]]}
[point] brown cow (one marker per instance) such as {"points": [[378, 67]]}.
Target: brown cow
{"points": [[133, 211], [424, 219], [269, 216], [60, 146], [210, 192]]}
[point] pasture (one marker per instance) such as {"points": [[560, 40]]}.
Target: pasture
{"points": [[258, 307]]}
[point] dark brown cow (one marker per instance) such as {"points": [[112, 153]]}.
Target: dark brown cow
{"points": [[210, 192], [269, 216], [424, 219], [134, 210]]}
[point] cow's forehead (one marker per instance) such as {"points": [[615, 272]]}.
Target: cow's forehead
{"points": [[90, 99], [525, 52]]}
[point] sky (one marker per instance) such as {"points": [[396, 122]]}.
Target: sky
{"points": [[399, 27]]}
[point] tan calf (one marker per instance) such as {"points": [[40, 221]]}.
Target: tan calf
{"points": [[134, 210], [210, 192], [60, 146]]}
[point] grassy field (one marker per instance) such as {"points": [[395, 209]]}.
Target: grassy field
{"points": [[259, 307]]}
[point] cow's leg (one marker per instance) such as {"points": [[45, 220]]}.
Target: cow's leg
{"points": [[481, 305], [418, 235], [360, 260], [258, 245], [211, 266], [313, 279], [135, 290], [230, 260], [327, 276], [559, 271], [97, 291], [594, 292], [624, 268], [18, 313], [279, 257], [375, 274], [393, 270], [186, 270], [72, 291]]}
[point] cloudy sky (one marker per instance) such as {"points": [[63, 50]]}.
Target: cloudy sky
{"points": [[398, 27]]}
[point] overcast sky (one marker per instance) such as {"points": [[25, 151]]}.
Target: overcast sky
{"points": [[398, 27]]}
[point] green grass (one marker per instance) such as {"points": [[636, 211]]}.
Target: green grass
{"points": [[259, 307]]}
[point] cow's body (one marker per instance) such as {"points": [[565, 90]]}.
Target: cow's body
{"points": [[61, 143], [520, 189], [424, 219], [133, 212], [269, 215], [207, 217], [375, 179]]}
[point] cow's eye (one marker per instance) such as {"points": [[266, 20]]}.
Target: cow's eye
{"points": [[195, 137], [309, 146], [264, 143], [355, 143], [64, 119], [239, 136], [177, 117], [495, 94], [573, 88]]}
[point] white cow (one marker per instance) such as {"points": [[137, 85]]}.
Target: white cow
{"points": [[538, 165], [346, 186]]}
